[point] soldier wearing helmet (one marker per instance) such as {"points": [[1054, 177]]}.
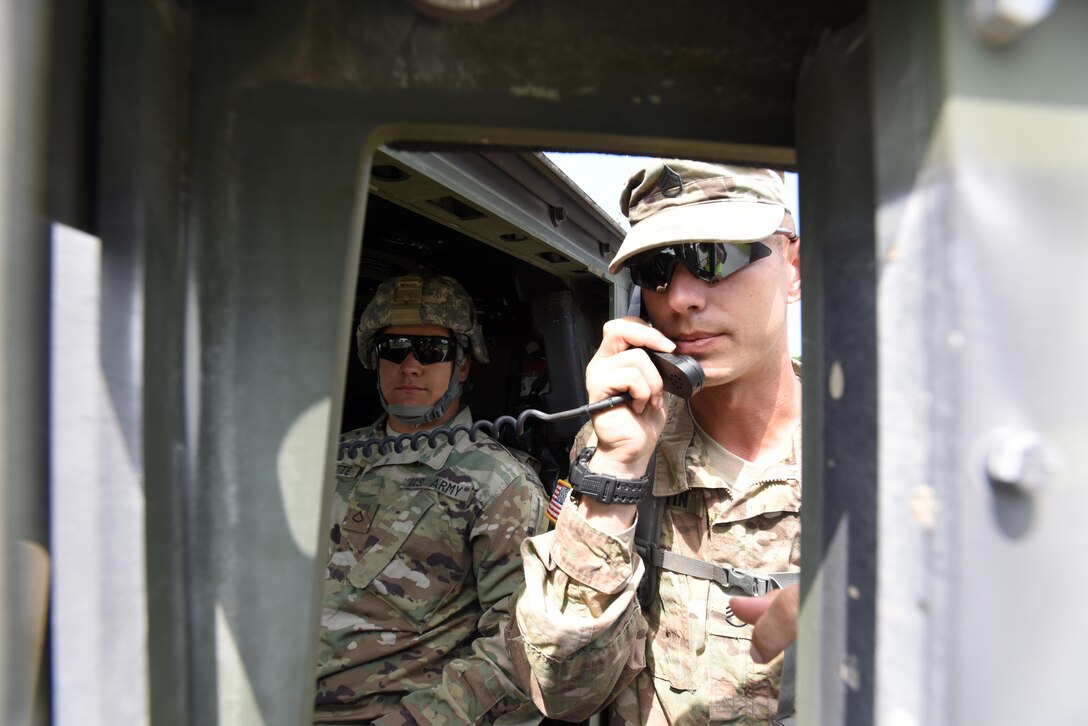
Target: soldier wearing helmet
{"points": [[424, 545], [412, 305]]}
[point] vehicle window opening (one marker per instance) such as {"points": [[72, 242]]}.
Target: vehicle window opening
{"points": [[540, 310]]}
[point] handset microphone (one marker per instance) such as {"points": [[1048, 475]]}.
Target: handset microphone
{"points": [[681, 374]]}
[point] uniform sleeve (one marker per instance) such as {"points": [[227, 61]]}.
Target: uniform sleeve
{"points": [[481, 686], [578, 615]]}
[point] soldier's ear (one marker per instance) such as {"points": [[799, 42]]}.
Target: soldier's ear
{"points": [[793, 256], [465, 368]]}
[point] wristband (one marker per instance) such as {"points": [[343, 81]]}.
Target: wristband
{"points": [[604, 488]]}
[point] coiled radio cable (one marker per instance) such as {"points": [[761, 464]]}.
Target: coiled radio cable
{"points": [[680, 374], [433, 437]]}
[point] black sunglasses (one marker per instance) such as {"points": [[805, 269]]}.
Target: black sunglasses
{"points": [[428, 349], [710, 262]]}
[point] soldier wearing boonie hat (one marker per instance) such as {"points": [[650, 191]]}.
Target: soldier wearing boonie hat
{"points": [[423, 547], [723, 495], [676, 202]]}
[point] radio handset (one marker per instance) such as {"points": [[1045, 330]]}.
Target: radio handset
{"points": [[681, 375]]}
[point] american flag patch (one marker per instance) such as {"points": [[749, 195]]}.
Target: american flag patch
{"points": [[559, 496]]}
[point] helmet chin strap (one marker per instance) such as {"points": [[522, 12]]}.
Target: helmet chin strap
{"points": [[419, 415]]}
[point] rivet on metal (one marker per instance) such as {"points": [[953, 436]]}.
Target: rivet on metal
{"points": [[1022, 459]]}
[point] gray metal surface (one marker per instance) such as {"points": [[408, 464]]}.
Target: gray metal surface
{"points": [[982, 163], [275, 258], [98, 634], [24, 52], [836, 648], [139, 120]]}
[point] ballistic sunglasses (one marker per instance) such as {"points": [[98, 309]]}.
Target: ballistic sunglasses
{"points": [[710, 262], [428, 349]]}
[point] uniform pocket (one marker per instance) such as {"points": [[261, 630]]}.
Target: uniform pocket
{"points": [[672, 657], [739, 687], [406, 559]]}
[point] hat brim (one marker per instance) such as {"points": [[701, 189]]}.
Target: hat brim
{"points": [[717, 221]]}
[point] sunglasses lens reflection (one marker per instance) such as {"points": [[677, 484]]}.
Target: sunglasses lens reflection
{"points": [[427, 349], [710, 262]]}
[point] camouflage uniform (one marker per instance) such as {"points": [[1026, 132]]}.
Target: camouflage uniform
{"points": [[685, 662], [422, 562]]}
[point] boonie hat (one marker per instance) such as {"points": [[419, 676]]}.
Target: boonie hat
{"points": [[673, 201], [418, 300]]}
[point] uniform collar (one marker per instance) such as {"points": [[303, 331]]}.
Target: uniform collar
{"points": [[671, 475], [433, 457]]}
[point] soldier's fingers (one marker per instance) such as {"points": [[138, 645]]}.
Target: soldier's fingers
{"points": [[628, 371], [751, 609], [623, 333], [775, 617]]}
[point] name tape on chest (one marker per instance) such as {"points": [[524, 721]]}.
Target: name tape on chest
{"points": [[348, 471], [460, 492]]}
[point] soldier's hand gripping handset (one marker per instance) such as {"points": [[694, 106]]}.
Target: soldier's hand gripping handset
{"points": [[626, 435]]}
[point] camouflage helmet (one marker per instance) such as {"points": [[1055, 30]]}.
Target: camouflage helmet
{"points": [[417, 300], [673, 201]]}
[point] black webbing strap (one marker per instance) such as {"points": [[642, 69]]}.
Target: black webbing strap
{"points": [[651, 512], [787, 688]]}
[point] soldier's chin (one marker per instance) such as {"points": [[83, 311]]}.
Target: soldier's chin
{"points": [[421, 399], [718, 375]]}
